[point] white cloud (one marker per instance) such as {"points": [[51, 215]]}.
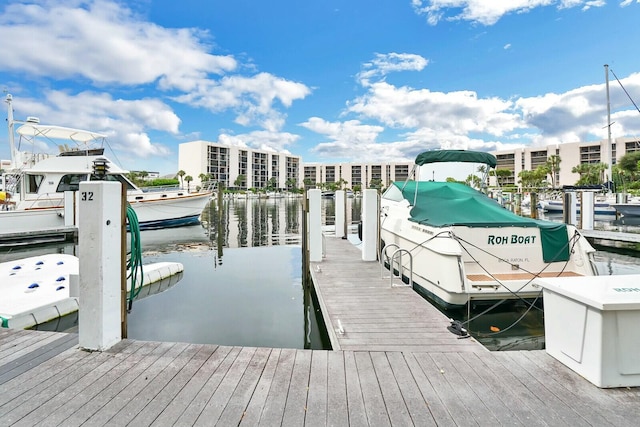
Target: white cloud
{"points": [[261, 140], [384, 64], [488, 12], [405, 107], [105, 46], [125, 122], [251, 97], [105, 43]]}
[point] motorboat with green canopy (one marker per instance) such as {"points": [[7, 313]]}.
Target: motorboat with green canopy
{"points": [[456, 244]]}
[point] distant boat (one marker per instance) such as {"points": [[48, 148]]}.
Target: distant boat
{"points": [[33, 188], [557, 206], [627, 209]]}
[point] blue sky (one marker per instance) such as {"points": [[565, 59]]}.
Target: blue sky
{"points": [[331, 81]]}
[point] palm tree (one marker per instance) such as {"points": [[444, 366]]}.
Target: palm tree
{"points": [[181, 174], [553, 166], [188, 178]]}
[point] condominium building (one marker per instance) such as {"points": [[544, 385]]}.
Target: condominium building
{"points": [[571, 155], [365, 175], [226, 163]]}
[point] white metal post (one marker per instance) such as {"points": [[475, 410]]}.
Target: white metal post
{"points": [[315, 225], [341, 201], [370, 218], [99, 244], [587, 210]]}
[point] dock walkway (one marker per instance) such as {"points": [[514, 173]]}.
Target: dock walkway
{"points": [[362, 311], [47, 380]]}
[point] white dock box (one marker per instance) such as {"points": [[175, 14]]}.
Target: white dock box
{"points": [[592, 325]]}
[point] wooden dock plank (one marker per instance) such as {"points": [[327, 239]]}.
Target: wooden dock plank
{"points": [[396, 407], [470, 397], [296, 404], [500, 392], [458, 411], [121, 405], [221, 396], [133, 366], [91, 384], [253, 412], [337, 406], [233, 411], [152, 387], [160, 401], [553, 410], [273, 411], [355, 398], [377, 412], [316, 406], [215, 356]]}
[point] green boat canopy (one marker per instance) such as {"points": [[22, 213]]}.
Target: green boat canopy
{"points": [[443, 204], [456, 156]]}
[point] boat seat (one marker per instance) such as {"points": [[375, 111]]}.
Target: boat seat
{"points": [[519, 276]]}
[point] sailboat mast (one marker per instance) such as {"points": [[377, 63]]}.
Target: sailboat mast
{"points": [[609, 150]]}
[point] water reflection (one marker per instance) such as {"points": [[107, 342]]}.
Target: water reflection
{"points": [[238, 223]]}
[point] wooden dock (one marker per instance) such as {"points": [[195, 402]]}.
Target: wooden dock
{"points": [[47, 235], [47, 380], [362, 311], [614, 236]]}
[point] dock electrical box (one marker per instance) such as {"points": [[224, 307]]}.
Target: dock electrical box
{"points": [[591, 326]]}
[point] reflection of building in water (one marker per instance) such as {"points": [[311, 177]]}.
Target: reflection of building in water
{"points": [[254, 222]]}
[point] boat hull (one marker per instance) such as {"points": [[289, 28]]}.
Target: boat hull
{"points": [[457, 264], [554, 206], [628, 209], [152, 213]]}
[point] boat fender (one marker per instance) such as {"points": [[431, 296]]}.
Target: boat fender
{"points": [[457, 328]]}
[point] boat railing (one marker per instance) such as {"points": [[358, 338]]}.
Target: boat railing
{"points": [[396, 255]]}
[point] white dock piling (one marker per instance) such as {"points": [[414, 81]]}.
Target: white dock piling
{"points": [[341, 202], [569, 212], [587, 210], [370, 220], [99, 246], [315, 225]]}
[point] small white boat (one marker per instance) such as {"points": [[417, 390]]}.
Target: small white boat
{"points": [[456, 245], [34, 187]]}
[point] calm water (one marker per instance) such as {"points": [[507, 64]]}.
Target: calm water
{"points": [[243, 282]]}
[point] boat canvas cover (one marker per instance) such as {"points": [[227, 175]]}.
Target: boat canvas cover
{"points": [[463, 156], [444, 204]]}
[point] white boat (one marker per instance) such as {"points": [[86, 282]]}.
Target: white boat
{"points": [[465, 247], [557, 206], [627, 209], [34, 187]]}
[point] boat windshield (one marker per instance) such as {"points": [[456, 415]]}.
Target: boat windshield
{"points": [[393, 193]]}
